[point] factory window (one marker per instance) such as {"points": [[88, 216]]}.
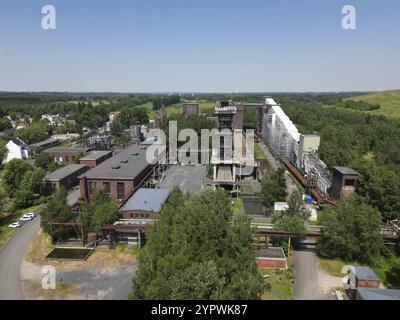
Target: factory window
{"points": [[66, 159], [106, 187], [120, 191], [132, 215]]}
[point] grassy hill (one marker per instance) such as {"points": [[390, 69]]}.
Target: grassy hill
{"points": [[388, 100]]}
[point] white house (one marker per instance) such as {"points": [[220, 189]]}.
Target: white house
{"points": [[17, 149]]}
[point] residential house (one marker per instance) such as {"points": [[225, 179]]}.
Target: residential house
{"points": [[17, 149]]}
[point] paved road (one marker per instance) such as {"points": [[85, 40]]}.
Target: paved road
{"points": [[11, 257], [306, 285]]}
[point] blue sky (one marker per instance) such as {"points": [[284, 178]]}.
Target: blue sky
{"points": [[199, 46]]}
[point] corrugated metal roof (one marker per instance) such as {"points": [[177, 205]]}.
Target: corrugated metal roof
{"points": [[346, 171], [147, 200]]}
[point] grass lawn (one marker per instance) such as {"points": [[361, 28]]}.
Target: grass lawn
{"points": [[281, 282], [334, 267], [5, 232], [388, 100]]}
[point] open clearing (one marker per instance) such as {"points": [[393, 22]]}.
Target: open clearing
{"points": [[106, 275], [388, 100]]}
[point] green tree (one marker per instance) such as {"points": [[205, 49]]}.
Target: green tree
{"points": [[78, 157], [33, 133], [273, 188], [43, 160], [195, 252], [57, 210], [5, 124], [393, 274], [30, 188], [13, 174], [351, 232], [99, 211], [3, 150]]}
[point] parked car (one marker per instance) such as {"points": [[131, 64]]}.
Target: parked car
{"points": [[30, 214], [15, 225], [26, 218]]}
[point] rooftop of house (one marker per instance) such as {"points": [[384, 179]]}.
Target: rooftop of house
{"points": [[378, 294], [67, 150], [346, 171], [44, 143], [365, 273], [126, 165], [63, 172], [147, 200], [19, 142], [97, 154]]}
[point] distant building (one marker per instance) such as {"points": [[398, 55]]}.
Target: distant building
{"points": [[53, 120], [17, 149], [65, 136], [43, 145], [21, 124], [190, 109], [94, 158], [160, 116], [66, 178], [145, 204], [65, 155]]}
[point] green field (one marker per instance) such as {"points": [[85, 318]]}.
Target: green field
{"points": [[388, 100]]}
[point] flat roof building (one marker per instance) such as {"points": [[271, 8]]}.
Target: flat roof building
{"points": [[65, 155], [94, 158], [43, 145], [344, 182], [66, 178], [118, 175], [145, 204]]}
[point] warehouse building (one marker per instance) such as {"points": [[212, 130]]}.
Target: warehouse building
{"points": [[119, 175], [65, 155], [64, 178], [94, 158], [43, 145]]}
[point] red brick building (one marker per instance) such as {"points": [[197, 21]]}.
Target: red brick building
{"points": [[144, 204], [273, 258], [190, 109], [118, 175], [65, 155], [94, 158], [66, 178]]}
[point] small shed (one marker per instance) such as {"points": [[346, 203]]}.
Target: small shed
{"points": [[363, 277], [273, 258]]}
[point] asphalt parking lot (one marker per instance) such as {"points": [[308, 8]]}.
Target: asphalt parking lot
{"points": [[190, 179]]}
